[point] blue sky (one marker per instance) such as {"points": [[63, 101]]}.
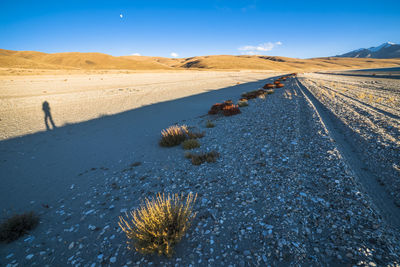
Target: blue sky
{"points": [[300, 29]]}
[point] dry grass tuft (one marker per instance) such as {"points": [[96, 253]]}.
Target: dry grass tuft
{"points": [[159, 224], [198, 159], [174, 135], [195, 135], [17, 226], [243, 103], [210, 124], [279, 85], [190, 144], [254, 94]]}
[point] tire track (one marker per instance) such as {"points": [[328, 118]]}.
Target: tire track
{"points": [[365, 105], [345, 140]]}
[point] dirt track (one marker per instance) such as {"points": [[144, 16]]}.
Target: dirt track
{"points": [[355, 157]]}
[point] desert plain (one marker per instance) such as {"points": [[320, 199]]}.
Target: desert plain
{"points": [[306, 175]]}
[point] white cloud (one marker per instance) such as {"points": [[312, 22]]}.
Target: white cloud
{"points": [[136, 54], [173, 54], [251, 50], [121, 16]]}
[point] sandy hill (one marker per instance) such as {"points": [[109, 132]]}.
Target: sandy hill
{"points": [[99, 61], [74, 60]]}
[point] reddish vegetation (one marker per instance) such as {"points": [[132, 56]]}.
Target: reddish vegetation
{"points": [[230, 110], [216, 108], [280, 85], [269, 86], [227, 108], [253, 94], [277, 82]]}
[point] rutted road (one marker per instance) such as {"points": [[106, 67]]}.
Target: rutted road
{"points": [[346, 142]]}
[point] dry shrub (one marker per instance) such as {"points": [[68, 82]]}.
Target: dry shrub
{"points": [[254, 94], [198, 159], [210, 124], [270, 91], [277, 82], [269, 86], [190, 144], [159, 224], [216, 108], [174, 135], [280, 85], [231, 110], [17, 226], [227, 108], [195, 135], [243, 103]]}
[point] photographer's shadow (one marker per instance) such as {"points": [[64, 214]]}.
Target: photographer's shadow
{"points": [[47, 116]]}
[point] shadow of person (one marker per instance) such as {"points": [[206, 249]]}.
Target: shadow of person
{"points": [[47, 115]]}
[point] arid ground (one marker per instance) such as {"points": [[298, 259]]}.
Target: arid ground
{"points": [[81, 97], [307, 175]]}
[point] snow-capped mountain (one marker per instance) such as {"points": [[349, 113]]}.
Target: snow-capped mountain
{"points": [[385, 50]]}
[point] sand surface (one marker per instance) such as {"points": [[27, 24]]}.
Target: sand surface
{"points": [[77, 98], [41, 167]]}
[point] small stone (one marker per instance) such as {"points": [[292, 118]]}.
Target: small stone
{"points": [[71, 246], [247, 253], [100, 256], [113, 259], [264, 258], [9, 255], [89, 212], [30, 256]]}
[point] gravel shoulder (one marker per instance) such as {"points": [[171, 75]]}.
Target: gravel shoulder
{"points": [[281, 194]]}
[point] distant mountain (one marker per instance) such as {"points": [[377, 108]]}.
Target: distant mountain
{"points": [[385, 50]]}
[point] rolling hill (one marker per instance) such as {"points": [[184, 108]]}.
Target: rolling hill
{"points": [[99, 61]]}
